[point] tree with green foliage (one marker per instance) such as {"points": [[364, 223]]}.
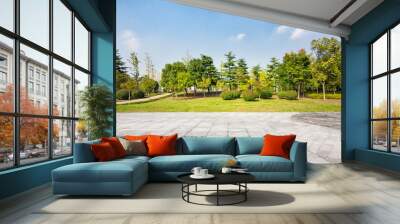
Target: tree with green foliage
{"points": [[196, 70], [97, 103], [209, 75], [272, 73], [120, 64], [169, 76], [148, 85], [242, 75], [326, 69], [204, 84], [229, 70], [296, 67], [183, 81]]}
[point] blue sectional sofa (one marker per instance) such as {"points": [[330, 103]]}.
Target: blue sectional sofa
{"points": [[125, 176]]}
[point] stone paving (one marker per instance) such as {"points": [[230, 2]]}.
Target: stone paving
{"points": [[321, 131]]}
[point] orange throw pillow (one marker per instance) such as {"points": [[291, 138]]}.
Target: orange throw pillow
{"points": [[277, 145], [103, 152], [142, 138], [116, 145], [161, 145]]}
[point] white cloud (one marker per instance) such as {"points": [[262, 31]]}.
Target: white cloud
{"points": [[238, 37], [281, 29], [129, 40], [297, 34]]}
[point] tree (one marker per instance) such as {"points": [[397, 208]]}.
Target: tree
{"points": [[272, 73], [183, 81], [120, 64], [169, 76], [204, 84], [229, 70], [134, 61], [34, 131], [148, 85], [121, 79], [148, 62], [326, 68], [242, 77], [209, 75], [97, 103], [196, 70], [296, 65]]}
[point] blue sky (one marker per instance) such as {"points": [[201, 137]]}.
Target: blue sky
{"points": [[168, 32]]}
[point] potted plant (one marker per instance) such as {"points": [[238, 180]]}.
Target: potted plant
{"points": [[97, 103]]}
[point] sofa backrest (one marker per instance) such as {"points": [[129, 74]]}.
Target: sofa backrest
{"points": [[191, 145], [83, 152], [249, 145]]}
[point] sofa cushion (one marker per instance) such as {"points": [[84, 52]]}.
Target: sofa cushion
{"points": [[112, 171], [116, 145], [257, 163], [206, 145], [249, 145], [161, 145], [134, 147], [277, 145], [103, 152], [185, 163]]}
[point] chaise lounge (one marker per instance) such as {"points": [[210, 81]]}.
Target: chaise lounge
{"points": [[125, 176]]}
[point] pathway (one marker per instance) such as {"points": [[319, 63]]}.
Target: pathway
{"points": [[321, 131]]}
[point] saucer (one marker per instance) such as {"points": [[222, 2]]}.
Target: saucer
{"points": [[208, 176]]}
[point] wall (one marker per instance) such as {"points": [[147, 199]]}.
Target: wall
{"points": [[99, 15], [355, 114]]}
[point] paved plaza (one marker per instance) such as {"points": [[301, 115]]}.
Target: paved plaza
{"points": [[321, 131]]}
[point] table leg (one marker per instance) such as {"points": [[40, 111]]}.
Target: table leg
{"points": [[217, 194], [195, 188]]}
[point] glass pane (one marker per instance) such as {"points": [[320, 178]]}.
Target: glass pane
{"points": [[6, 142], [6, 74], [81, 131], [81, 45], [81, 82], [34, 97], [395, 94], [395, 47], [379, 135], [379, 55], [33, 139], [395, 136], [379, 97], [62, 138], [35, 21], [7, 14], [62, 29], [62, 89]]}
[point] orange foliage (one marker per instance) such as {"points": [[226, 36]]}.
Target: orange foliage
{"points": [[33, 130]]}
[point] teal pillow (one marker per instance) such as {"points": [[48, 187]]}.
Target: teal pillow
{"points": [[249, 145], [207, 145]]}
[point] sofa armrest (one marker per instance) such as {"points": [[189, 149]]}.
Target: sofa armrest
{"points": [[83, 152], [298, 155]]}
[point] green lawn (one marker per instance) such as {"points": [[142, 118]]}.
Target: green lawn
{"points": [[216, 104]]}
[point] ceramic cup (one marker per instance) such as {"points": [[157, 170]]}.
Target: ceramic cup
{"points": [[203, 172], [196, 171], [226, 170]]}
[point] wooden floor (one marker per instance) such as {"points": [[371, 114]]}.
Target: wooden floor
{"points": [[379, 190]]}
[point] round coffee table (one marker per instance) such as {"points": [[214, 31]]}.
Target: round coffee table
{"points": [[238, 179]]}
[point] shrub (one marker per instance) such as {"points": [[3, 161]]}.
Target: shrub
{"points": [[336, 96], [288, 95], [249, 96], [122, 94], [137, 94], [265, 94], [230, 95]]}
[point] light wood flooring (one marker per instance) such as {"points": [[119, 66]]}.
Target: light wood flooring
{"points": [[379, 190]]}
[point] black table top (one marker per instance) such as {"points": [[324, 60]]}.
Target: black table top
{"points": [[220, 178]]}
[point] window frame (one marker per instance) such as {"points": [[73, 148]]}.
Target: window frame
{"points": [[388, 74], [16, 114]]}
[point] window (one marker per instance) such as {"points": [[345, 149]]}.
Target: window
{"points": [[48, 75], [385, 94]]}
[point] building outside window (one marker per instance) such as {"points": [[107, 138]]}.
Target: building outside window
{"points": [[34, 75]]}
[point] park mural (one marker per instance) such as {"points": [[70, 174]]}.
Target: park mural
{"points": [[296, 75]]}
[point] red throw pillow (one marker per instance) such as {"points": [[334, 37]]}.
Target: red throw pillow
{"points": [[116, 145], [277, 145], [136, 137], [161, 145], [103, 152]]}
